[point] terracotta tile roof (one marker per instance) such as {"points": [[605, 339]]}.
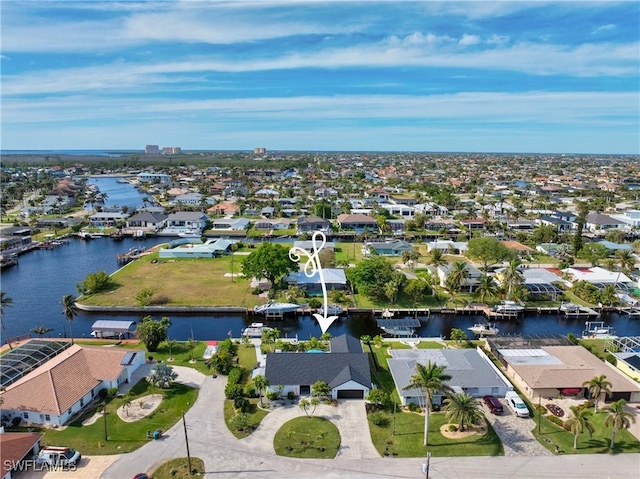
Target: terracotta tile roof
{"points": [[15, 445], [59, 383]]}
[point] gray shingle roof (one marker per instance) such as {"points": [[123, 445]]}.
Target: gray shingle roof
{"points": [[345, 344], [307, 368]]}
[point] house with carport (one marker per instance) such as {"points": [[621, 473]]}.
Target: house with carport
{"points": [[471, 371], [15, 449], [345, 368]]}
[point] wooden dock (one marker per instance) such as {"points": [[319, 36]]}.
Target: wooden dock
{"points": [[583, 312]]}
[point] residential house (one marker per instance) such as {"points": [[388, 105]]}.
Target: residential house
{"points": [[189, 199], [549, 371], [146, 177], [309, 224], [386, 248], [456, 247], [378, 193], [468, 284], [61, 387], [189, 248], [357, 222], [233, 224], [15, 449], [345, 368], [185, 222], [598, 222], [403, 200], [272, 224], [147, 220], [107, 219], [520, 249], [334, 279], [224, 209], [471, 371], [266, 193], [402, 210], [560, 224], [629, 364], [599, 277]]}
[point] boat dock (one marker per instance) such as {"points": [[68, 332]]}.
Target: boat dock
{"points": [[581, 312], [632, 311]]}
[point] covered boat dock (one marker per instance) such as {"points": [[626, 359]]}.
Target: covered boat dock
{"points": [[111, 329]]}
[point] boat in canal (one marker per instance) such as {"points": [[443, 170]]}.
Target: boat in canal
{"points": [[484, 329], [255, 330], [509, 307], [275, 308]]}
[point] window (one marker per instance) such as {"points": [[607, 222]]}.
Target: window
{"points": [[92, 393], [81, 402], [25, 415], [69, 411], [47, 417]]}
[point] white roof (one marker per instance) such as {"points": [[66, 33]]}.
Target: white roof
{"points": [[597, 275]]}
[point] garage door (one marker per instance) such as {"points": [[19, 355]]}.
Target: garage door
{"points": [[351, 394]]}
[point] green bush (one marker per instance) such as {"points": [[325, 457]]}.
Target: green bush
{"points": [[556, 420], [413, 407], [452, 428], [315, 303], [250, 390], [241, 404], [611, 359], [291, 395], [235, 375], [272, 395], [233, 391], [379, 419]]}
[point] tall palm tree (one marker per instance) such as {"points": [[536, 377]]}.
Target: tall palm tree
{"points": [[462, 409], [511, 277], [429, 379], [608, 295], [579, 422], [70, 311], [459, 273], [617, 418], [486, 288], [261, 383], [5, 302], [598, 385]]}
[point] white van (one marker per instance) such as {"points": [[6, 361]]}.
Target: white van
{"points": [[54, 456], [516, 404]]}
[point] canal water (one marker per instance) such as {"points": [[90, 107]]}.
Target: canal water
{"points": [[43, 277]]}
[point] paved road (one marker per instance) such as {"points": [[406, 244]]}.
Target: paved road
{"points": [[227, 457]]}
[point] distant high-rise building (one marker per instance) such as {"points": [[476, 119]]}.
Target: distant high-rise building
{"points": [[171, 150], [151, 150], [259, 150]]}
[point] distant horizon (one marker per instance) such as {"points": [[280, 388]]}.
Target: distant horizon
{"points": [[414, 76], [78, 152]]}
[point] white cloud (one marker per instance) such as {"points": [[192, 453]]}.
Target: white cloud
{"points": [[604, 28], [497, 39], [469, 40]]}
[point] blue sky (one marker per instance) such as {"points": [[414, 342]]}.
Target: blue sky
{"points": [[514, 76]]}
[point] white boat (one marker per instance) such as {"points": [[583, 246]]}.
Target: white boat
{"points": [[484, 329], [273, 307], [255, 330], [332, 310], [598, 330], [387, 314], [570, 308], [84, 235], [508, 307], [190, 234], [210, 350]]}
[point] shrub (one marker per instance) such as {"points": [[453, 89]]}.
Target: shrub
{"points": [[113, 392], [103, 393], [241, 404], [291, 395], [240, 421], [235, 376], [232, 391], [611, 359], [379, 419], [315, 303], [250, 390], [452, 428], [413, 407], [556, 420], [272, 395]]}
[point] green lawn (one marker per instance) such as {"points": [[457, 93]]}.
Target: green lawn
{"points": [[255, 417], [123, 436], [409, 438], [180, 353], [307, 437], [185, 282], [552, 435], [179, 469]]}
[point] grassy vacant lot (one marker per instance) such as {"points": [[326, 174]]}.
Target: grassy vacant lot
{"points": [[179, 469], [123, 436], [409, 437], [179, 282], [307, 437], [551, 435], [180, 353]]}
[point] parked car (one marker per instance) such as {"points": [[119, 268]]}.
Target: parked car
{"points": [[516, 403], [55, 456], [494, 404]]}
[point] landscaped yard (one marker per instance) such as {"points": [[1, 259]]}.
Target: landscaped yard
{"points": [[307, 437], [180, 353], [552, 435], [179, 469], [409, 438], [123, 436]]}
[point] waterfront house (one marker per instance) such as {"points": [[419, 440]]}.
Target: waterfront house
{"points": [[224, 209], [146, 220], [468, 284], [190, 248], [401, 210], [147, 177], [357, 222], [598, 222], [190, 199], [62, 386], [185, 222], [599, 277], [107, 219], [334, 279], [345, 368], [309, 224], [272, 224], [231, 224], [471, 371]]}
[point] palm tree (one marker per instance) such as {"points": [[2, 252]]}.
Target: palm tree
{"points": [[458, 273], [597, 386], [626, 261], [410, 257], [452, 287], [191, 345], [462, 409], [511, 277], [69, 310], [166, 324], [261, 383], [608, 295], [487, 288], [578, 423], [617, 418], [170, 344], [5, 302], [430, 379], [41, 330], [161, 375], [437, 258]]}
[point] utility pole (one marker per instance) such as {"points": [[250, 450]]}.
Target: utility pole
{"points": [[393, 432], [539, 412], [425, 466], [104, 416], [186, 438]]}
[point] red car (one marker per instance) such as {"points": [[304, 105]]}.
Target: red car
{"points": [[141, 475], [494, 405]]}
